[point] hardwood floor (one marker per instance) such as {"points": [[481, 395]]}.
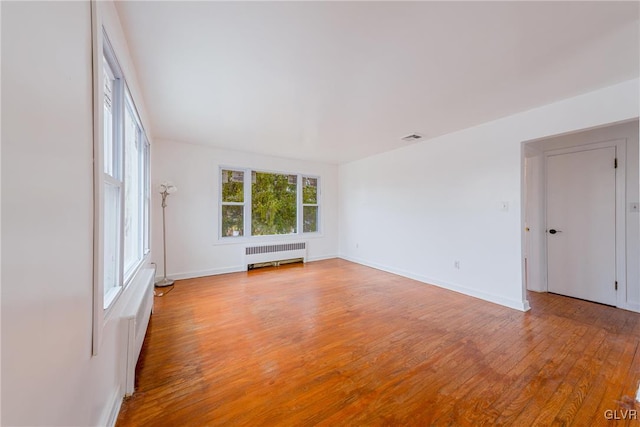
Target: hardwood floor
{"points": [[336, 343]]}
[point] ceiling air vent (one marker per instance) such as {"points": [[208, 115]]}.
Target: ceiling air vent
{"points": [[411, 138]]}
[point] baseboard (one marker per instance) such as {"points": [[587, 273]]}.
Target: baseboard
{"points": [[632, 306], [204, 273], [496, 299], [113, 409], [226, 270], [322, 257]]}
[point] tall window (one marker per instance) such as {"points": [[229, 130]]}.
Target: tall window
{"points": [[124, 183], [309, 204], [232, 206], [268, 204], [135, 193], [112, 180]]}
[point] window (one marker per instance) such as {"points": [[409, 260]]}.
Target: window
{"points": [[112, 181], [232, 212], [268, 204], [309, 204], [135, 193], [123, 185], [273, 203]]}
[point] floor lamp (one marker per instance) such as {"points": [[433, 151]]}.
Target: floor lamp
{"points": [[165, 189]]}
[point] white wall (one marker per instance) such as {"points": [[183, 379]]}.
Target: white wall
{"points": [[48, 374], [193, 248], [416, 210], [535, 152], [108, 17]]}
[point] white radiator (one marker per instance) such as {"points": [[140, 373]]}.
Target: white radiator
{"points": [[257, 254], [136, 319]]}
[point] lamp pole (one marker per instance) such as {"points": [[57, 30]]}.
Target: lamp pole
{"points": [[165, 190]]}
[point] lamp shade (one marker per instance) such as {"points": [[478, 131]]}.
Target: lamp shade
{"points": [[168, 187]]}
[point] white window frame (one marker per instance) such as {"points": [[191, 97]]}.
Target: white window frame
{"points": [[247, 219], [104, 299]]}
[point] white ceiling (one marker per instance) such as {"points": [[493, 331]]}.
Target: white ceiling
{"points": [[338, 81]]}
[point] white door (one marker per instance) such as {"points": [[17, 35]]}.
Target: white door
{"points": [[581, 228]]}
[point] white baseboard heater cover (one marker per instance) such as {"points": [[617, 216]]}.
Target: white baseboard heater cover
{"points": [[136, 319], [257, 254]]}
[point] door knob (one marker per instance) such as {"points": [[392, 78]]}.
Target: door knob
{"points": [[554, 231]]}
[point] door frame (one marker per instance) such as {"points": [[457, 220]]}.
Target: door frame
{"points": [[620, 144]]}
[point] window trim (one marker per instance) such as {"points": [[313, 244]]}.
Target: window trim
{"points": [[247, 236]]}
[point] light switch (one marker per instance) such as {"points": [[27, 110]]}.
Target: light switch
{"points": [[503, 206]]}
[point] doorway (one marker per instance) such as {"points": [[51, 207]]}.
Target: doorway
{"points": [[579, 226]]}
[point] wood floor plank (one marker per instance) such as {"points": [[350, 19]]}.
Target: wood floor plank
{"points": [[605, 393], [533, 384], [336, 343]]}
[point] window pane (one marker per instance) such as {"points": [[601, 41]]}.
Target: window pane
{"points": [[111, 236], [132, 193], [310, 221], [232, 220], [232, 186], [310, 190], [273, 203], [109, 143]]}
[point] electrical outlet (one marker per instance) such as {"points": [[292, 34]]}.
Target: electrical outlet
{"points": [[456, 265], [634, 206]]}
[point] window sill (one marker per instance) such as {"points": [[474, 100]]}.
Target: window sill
{"points": [[111, 296]]}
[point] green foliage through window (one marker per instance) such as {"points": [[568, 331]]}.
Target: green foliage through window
{"points": [[309, 190], [310, 219], [232, 203], [309, 204], [273, 203], [232, 220], [232, 186]]}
